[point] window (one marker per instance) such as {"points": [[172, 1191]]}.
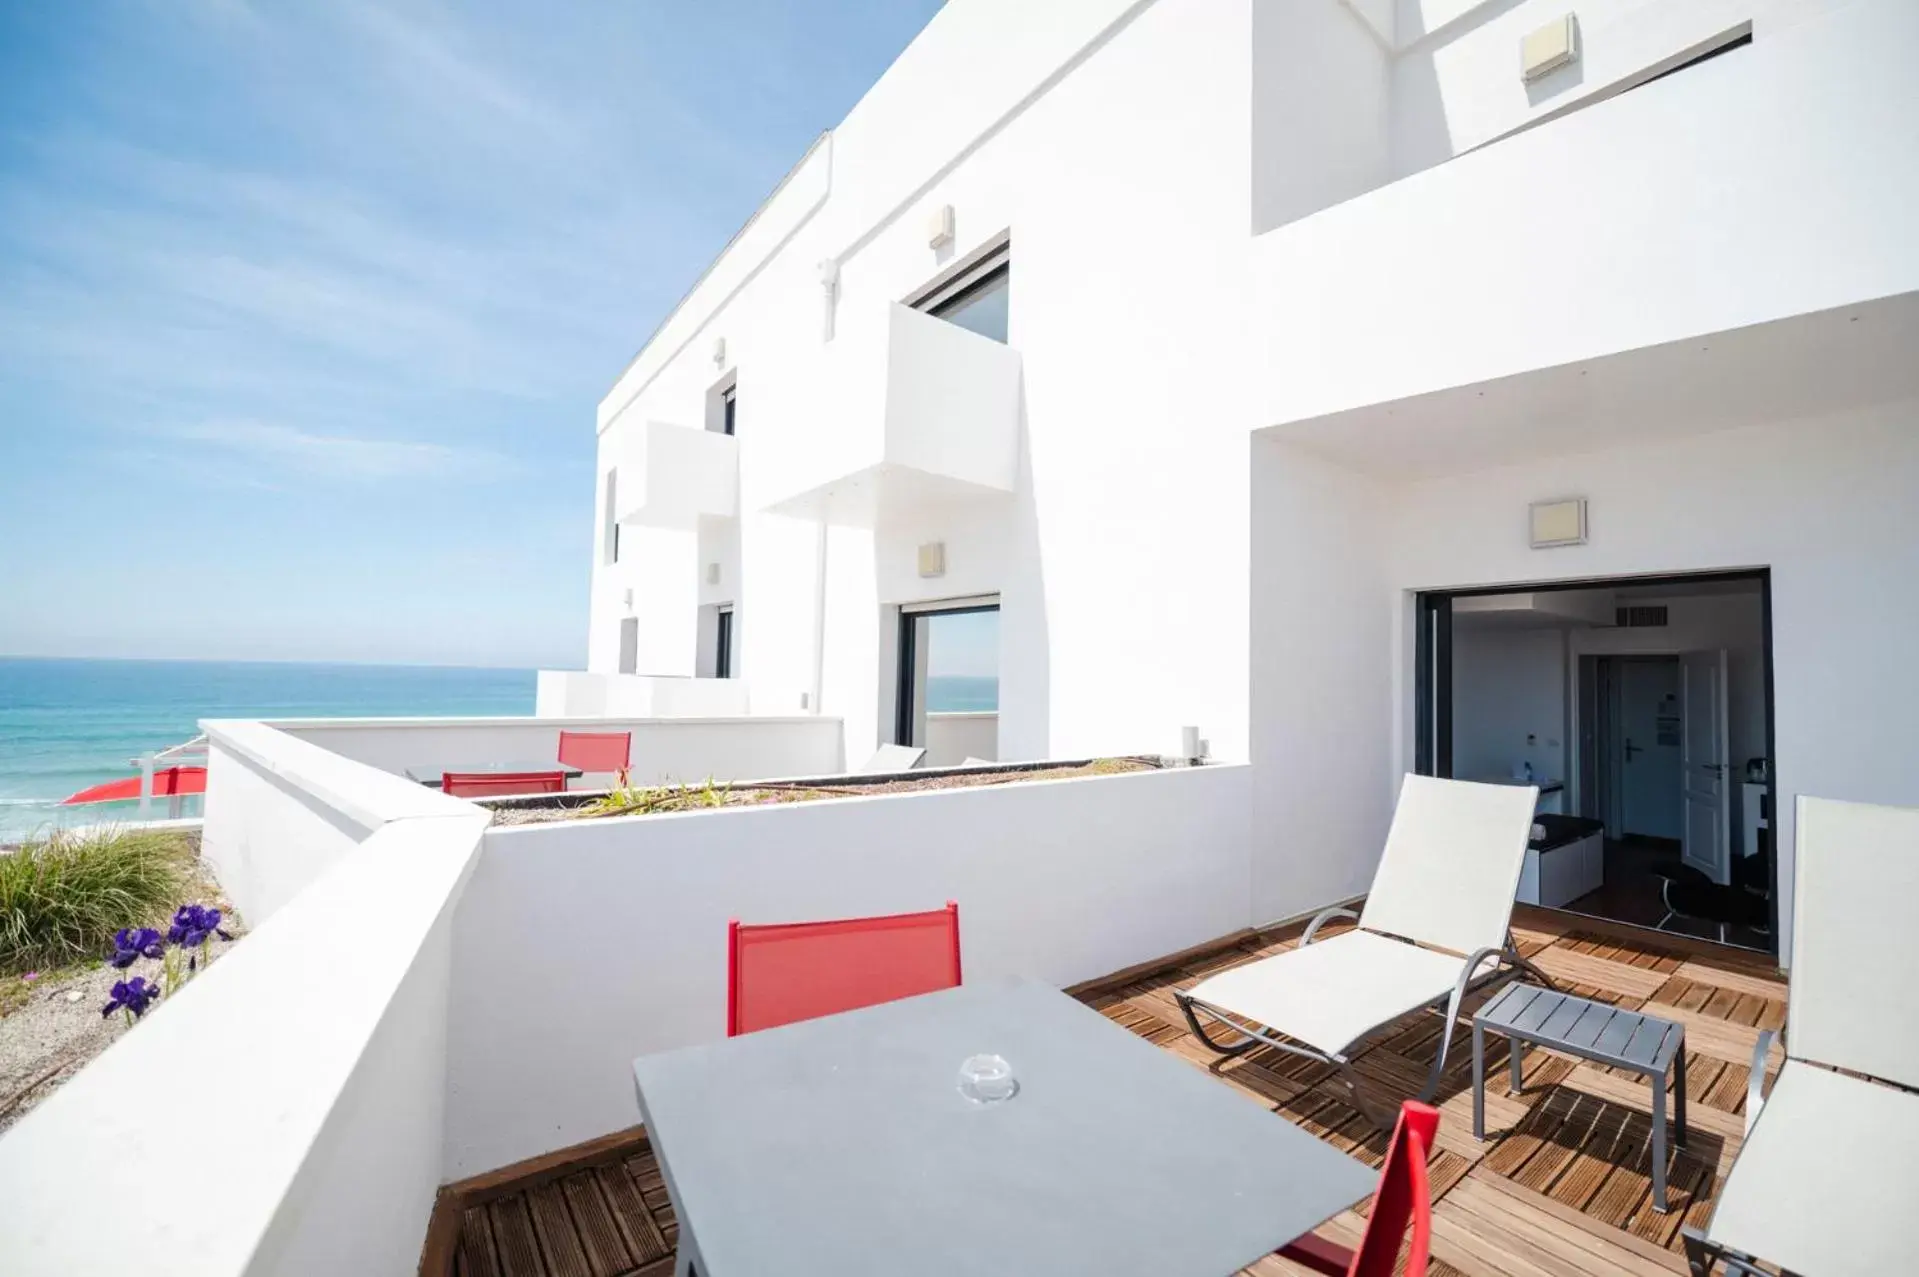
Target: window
{"points": [[723, 643], [610, 541], [629, 644], [976, 295], [722, 405], [947, 697]]}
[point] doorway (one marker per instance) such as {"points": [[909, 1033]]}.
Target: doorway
{"points": [[947, 701], [1641, 708]]}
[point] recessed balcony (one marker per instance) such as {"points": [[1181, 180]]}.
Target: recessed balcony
{"points": [[672, 476], [902, 410]]}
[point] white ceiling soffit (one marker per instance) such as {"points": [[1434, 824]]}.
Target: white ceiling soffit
{"points": [[1809, 365]]}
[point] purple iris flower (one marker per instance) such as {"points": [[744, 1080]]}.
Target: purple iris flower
{"points": [[130, 944], [133, 996], [193, 924]]}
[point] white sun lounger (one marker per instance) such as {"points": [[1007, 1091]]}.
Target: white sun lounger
{"points": [[1828, 1176], [1445, 880]]}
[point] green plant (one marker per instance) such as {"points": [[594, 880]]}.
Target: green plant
{"points": [[64, 894], [627, 801]]}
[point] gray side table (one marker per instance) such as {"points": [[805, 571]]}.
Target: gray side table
{"points": [[1592, 1031]]}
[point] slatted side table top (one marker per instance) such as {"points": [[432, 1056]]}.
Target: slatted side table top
{"points": [[1581, 1027], [1593, 1031]]}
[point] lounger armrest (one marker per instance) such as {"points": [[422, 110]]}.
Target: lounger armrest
{"points": [[1756, 1082], [1325, 916]]}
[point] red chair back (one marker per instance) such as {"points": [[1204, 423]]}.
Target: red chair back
{"points": [[1403, 1195], [501, 784], [779, 973], [597, 751]]}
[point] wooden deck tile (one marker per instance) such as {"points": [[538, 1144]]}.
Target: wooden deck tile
{"points": [[477, 1255], [1609, 974], [519, 1249]]}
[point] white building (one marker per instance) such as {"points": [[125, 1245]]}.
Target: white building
{"points": [[1379, 385], [1291, 312]]}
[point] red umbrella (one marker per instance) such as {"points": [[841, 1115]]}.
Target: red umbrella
{"points": [[168, 782]]}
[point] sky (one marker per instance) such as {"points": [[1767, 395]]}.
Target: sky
{"points": [[305, 307]]}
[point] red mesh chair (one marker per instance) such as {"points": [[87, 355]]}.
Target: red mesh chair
{"points": [[1403, 1195], [779, 973], [597, 751], [501, 784]]}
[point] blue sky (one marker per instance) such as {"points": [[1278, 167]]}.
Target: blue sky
{"points": [[305, 308]]}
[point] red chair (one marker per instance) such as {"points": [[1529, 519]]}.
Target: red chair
{"points": [[597, 751], [779, 973], [1403, 1195], [501, 784]]}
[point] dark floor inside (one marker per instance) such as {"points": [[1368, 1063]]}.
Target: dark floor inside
{"points": [[1634, 893]]}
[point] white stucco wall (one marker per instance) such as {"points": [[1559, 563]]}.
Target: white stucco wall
{"points": [[579, 694], [953, 738], [1823, 503], [664, 749], [311, 1061], [1121, 89], [1769, 182], [280, 812], [581, 946]]}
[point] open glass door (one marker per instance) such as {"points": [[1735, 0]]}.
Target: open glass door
{"points": [[1706, 841]]}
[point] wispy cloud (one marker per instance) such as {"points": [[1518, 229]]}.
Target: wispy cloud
{"points": [[289, 450]]}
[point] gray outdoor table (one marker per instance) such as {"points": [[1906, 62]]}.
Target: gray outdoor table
{"points": [[843, 1145], [435, 774], [1592, 1031]]}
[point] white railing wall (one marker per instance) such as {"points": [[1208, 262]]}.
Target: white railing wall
{"points": [[664, 749], [581, 945], [952, 738], [582, 694], [280, 811], [283, 1113]]}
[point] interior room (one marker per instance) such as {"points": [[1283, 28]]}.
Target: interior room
{"points": [[1641, 709]]}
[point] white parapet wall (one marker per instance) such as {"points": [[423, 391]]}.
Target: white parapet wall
{"points": [[582, 694], [664, 749], [282, 1113], [952, 738], [280, 811], [581, 945]]}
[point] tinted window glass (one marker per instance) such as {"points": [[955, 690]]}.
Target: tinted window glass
{"points": [[982, 307]]}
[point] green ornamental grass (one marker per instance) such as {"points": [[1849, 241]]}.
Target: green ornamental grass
{"points": [[64, 894]]}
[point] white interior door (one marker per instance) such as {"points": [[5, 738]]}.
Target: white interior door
{"points": [[1706, 844], [1651, 803]]}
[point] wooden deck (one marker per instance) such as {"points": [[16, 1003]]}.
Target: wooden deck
{"points": [[1561, 1185]]}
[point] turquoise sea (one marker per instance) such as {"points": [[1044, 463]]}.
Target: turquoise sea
{"points": [[67, 724]]}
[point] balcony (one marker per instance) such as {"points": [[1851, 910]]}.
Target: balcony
{"points": [[421, 1062], [1764, 185], [1561, 1184], [902, 411], [672, 476]]}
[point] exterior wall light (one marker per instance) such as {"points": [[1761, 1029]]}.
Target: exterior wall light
{"points": [[1557, 523], [1548, 48]]}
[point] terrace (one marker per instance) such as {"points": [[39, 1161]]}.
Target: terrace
{"points": [[419, 1059], [1561, 1184]]}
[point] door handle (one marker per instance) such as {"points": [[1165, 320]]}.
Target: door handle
{"points": [[1717, 769], [1632, 749]]}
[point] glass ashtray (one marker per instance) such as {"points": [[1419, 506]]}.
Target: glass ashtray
{"points": [[987, 1079]]}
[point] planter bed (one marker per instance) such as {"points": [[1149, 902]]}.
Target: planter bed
{"points": [[592, 804]]}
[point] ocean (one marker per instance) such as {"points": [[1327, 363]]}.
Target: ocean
{"points": [[68, 724]]}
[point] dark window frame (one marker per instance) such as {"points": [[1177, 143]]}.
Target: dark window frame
{"points": [[905, 699], [723, 642], [729, 408], [1433, 681]]}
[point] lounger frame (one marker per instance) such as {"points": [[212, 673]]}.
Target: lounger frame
{"points": [[1508, 964]]}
